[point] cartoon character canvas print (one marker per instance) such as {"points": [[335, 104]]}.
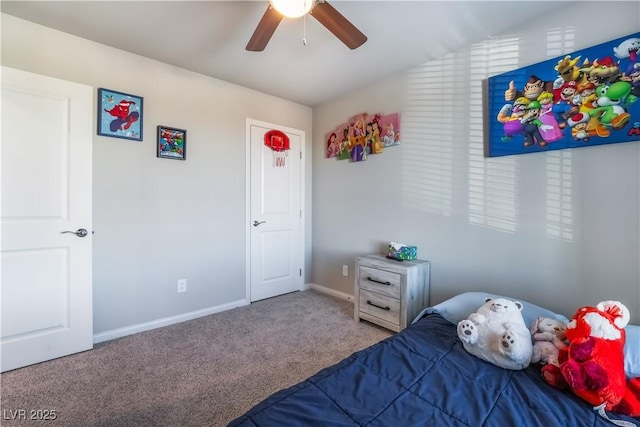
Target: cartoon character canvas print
{"points": [[362, 136], [585, 98]]}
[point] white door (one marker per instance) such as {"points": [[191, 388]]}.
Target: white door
{"points": [[46, 189], [275, 213]]}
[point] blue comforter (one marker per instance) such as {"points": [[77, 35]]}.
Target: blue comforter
{"points": [[422, 376]]}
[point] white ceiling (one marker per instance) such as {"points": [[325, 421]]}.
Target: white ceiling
{"points": [[209, 37]]}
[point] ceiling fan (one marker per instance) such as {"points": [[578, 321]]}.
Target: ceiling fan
{"points": [[322, 11]]}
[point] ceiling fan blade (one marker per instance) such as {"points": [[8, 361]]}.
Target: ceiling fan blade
{"points": [[328, 16], [265, 29]]}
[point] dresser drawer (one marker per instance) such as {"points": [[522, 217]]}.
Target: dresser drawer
{"points": [[380, 281], [380, 306]]}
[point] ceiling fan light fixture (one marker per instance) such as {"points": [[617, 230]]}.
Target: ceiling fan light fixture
{"points": [[292, 8], [320, 10]]}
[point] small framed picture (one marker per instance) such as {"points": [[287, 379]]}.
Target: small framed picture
{"points": [[119, 114], [172, 143]]}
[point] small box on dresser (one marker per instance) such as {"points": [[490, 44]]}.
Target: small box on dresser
{"points": [[390, 293]]}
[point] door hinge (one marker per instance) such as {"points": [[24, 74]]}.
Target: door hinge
{"points": [[301, 154], [300, 272]]}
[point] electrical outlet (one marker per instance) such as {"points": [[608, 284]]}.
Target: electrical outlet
{"points": [[345, 270], [182, 285]]}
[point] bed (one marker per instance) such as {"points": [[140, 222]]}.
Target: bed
{"points": [[422, 376]]}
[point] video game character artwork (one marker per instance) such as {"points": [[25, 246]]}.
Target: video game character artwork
{"points": [[586, 98], [172, 143]]}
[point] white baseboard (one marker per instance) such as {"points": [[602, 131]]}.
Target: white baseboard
{"points": [[328, 291], [147, 326]]}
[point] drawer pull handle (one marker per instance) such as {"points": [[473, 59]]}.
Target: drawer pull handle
{"points": [[378, 281], [378, 306]]}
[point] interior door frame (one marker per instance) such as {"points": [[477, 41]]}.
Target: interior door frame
{"points": [[253, 122]]}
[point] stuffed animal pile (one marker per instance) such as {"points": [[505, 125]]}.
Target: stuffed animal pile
{"points": [[497, 333], [548, 339], [592, 364], [586, 355]]}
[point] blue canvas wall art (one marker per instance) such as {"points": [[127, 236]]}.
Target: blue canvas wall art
{"points": [[585, 98]]}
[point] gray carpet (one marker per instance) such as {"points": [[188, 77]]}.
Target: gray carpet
{"points": [[203, 372]]}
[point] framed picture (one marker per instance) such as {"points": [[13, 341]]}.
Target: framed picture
{"points": [[580, 99], [119, 114], [172, 143]]}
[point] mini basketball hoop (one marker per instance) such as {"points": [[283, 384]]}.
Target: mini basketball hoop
{"points": [[279, 143]]}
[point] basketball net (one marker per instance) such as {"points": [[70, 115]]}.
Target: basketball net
{"points": [[279, 158]]}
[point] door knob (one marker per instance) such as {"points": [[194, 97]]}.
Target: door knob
{"points": [[257, 223], [80, 232]]}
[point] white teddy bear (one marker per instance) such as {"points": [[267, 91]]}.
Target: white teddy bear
{"points": [[496, 333], [549, 339]]}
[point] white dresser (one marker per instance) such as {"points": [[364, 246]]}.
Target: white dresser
{"points": [[390, 293]]}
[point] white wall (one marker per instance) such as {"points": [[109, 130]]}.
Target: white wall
{"points": [[159, 220], [560, 228]]}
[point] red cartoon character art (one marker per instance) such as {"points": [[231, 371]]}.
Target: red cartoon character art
{"points": [[123, 117]]}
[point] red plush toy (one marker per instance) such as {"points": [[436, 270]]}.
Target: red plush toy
{"points": [[592, 365]]}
